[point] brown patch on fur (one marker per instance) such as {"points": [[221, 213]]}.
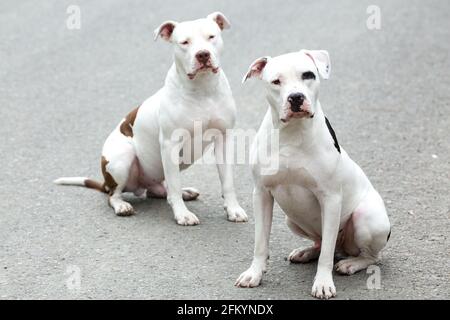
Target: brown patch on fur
{"points": [[110, 184], [92, 184], [126, 127]]}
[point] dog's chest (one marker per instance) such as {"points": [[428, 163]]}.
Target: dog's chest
{"points": [[292, 187], [290, 173], [293, 168], [209, 114]]}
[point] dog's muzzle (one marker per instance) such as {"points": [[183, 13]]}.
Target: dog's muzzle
{"points": [[297, 107], [296, 101], [203, 64], [203, 57]]}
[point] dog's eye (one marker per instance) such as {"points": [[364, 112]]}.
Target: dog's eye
{"points": [[185, 42], [211, 37], [308, 75], [276, 82]]}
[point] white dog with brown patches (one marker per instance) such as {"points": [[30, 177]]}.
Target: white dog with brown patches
{"points": [[326, 196], [137, 155]]}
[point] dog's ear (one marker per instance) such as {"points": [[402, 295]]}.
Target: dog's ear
{"points": [[165, 30], [256, 68], [322, 61], [220, 19]]}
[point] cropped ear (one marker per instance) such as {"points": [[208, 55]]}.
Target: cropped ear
{"points": [[220, 19], [256, 68], [165, 30], [321, 59]]}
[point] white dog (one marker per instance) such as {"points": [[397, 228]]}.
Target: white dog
{"points": [[326, 196], [137, 155]]}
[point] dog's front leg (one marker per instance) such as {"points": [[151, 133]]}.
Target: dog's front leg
{"points": [[323, 286], [263, 210], [234, 211], [169, 154]]}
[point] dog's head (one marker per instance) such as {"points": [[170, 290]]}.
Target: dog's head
{"points": [[197, 44], [292, 81]]}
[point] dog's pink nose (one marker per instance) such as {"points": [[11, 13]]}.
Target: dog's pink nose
{"points": [[203, 56]]}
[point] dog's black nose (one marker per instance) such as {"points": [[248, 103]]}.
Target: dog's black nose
{"points": [[296, 101], [203, 56]]}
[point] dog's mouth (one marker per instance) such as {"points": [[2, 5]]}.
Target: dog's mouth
{"points": [[296, 115], [203, 69], [302, 114]]}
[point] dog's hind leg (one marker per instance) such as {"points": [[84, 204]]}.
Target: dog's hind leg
{"points": [[120, 170], [300, 255], [371, 230], [159, 191]]}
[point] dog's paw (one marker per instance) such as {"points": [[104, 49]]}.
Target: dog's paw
{"points": [[187, 218], [352, 265], [323, 287], [190, 194], [123, 209], [249, 279], [304, 255], [236, 214]]}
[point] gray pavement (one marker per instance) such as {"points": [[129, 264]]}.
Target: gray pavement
{"points": [[62, 91]]}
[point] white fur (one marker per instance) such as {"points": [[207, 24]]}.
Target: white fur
{"points": [[320, 190], [70, 181]]}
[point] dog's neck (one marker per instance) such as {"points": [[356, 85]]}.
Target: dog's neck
{"points": [[204, 83]]}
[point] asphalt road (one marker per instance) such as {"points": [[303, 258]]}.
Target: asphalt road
{"points": [[62, 91]]}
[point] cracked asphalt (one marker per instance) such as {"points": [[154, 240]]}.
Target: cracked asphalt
{"points": [[62, 91]]}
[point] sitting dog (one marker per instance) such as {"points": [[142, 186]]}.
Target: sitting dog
{"points": [[326, 196], [138, 155]]}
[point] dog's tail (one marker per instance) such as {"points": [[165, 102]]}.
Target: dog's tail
{"points": [[81, 182]]}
